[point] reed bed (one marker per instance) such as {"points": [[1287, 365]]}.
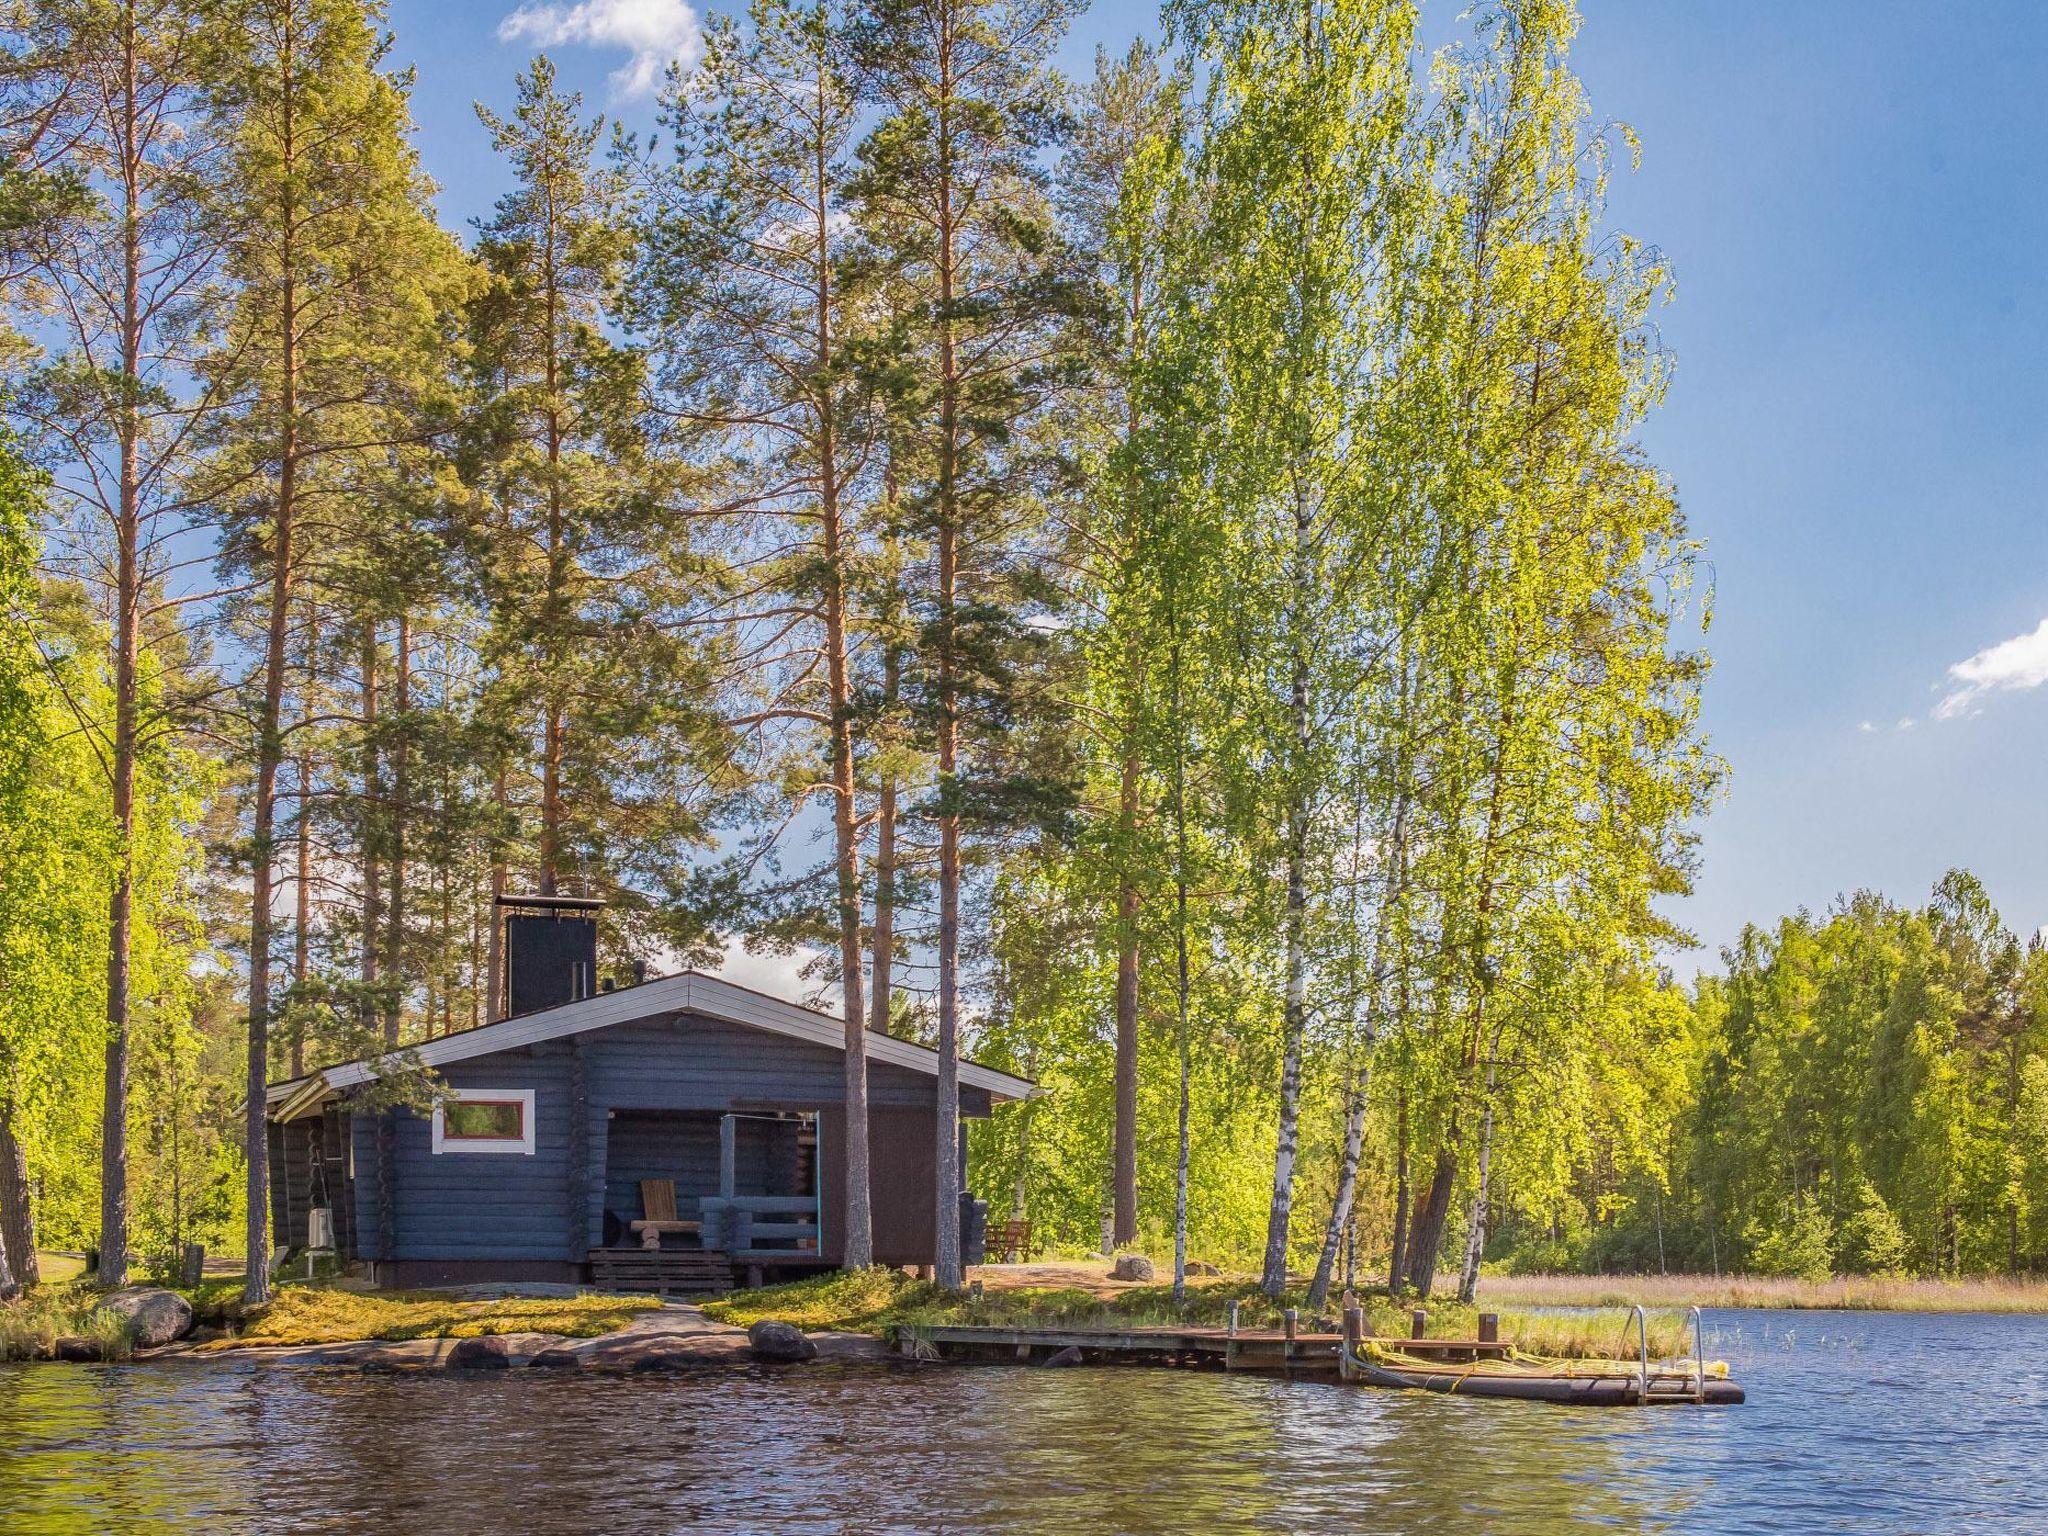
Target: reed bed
{"points": [[1844, 1293]]}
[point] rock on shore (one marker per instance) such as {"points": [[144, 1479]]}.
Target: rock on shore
{"points": [[154, 1317], [780, 1342]]}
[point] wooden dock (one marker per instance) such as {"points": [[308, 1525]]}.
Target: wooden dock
{"points": [[1285, 1351], [1476, 1367]]}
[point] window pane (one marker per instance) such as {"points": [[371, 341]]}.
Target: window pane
{"points": [[478, 1119]]}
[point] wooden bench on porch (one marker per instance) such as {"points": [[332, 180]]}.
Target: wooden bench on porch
{"points": [[658, 1205]]}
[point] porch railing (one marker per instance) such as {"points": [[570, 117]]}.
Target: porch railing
{"points": [[760, 1223]]}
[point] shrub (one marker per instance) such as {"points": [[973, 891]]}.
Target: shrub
{"points": [[1803, 1248], [1873, 1241]]}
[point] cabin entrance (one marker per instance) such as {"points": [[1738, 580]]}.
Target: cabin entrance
{"points": [[746, 1185]]}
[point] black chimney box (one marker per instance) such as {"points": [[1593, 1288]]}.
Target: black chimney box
{"points": [[550, 951]]}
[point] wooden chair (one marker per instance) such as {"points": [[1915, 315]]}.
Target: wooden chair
{"points": [[1012, 1237], [658, 1212]]}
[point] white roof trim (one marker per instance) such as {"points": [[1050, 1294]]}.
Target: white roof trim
{"points": [[690, 992]]}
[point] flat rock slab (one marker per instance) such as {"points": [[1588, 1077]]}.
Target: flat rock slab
{"points": [[674, 1337]]}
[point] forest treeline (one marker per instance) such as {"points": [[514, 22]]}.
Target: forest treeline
{"points": [[1150, 581]]}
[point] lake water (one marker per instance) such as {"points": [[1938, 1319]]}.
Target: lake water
{"points": [[1855, 1422]]}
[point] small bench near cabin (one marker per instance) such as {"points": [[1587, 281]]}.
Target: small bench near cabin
{"points": [[658, 1214], [1011, 1238]]}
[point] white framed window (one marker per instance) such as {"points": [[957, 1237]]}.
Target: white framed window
{"points": [[485, 1120]]}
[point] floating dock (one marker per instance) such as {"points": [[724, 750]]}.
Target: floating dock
{"points": [[1479, 1367]]}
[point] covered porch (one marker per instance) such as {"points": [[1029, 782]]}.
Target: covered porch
{"points": [[694, 1197]]}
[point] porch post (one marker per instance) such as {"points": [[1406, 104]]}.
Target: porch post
{"points": [[728, 1156]]}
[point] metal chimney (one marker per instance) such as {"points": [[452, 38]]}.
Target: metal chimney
{"points": [[550, 951]]}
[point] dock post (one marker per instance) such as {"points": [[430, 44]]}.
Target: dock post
{"points": [[1418, 1324], [1353, 1342], [1230, 1339], [1489, 1327], [1291, 1319]]}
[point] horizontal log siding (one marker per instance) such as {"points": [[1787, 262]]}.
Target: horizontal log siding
{"points": [[507, 1206]]}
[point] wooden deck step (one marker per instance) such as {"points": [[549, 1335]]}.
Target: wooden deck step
{"points": [[669, 1272]]}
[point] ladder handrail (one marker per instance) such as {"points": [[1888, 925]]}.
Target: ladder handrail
{"points": [[1699, 1357], [1640, 1321]]}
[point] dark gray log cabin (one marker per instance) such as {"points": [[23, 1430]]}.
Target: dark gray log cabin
{"points": [[734, 1096]]}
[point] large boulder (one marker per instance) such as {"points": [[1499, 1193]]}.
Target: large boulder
{"points": [[488, 1352], [784, 1342], [1132, 1266], [154, 1316]]}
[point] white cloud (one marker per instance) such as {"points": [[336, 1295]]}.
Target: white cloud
{"points": [[2009, 666], [1867, 728], [657, 31]]}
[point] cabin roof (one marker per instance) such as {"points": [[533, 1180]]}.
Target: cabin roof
{"points": [[689, 992]]}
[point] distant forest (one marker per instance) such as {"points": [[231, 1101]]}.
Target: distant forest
{"points": [[1148, 581]]}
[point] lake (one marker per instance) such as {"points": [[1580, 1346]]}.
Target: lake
{"points": [[1859, 1422]]}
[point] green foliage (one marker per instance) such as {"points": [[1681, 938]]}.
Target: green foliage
{"points": [[1872, 1241], [1802, 1246]]}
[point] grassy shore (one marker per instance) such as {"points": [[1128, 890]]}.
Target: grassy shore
{"points": [[878, 1300], [1844, 1293], [309, 1314], [31, 1326]]}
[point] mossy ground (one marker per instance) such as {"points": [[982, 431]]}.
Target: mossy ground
{"points": [[314, 1314], [877, 1300]]}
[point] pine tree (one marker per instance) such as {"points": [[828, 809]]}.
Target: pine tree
{"points": [[115, 412], [746, 279], [333, 355], [952, 187], [582, 543]]}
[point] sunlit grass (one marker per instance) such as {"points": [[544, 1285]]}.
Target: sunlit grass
{"points": [[301, 1315], [31, 1325], [877, 1300], [1848, 1293]]}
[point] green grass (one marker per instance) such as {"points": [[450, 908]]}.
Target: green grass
{"points": [[306, 1314], [878, 1300], [56, 1267], [31, 1326]]}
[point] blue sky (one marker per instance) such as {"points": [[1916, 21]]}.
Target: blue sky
{"points": [[1852, 197]]}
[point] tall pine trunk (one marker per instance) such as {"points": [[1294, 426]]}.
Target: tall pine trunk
{"points": [[372, 821], [127, 636], [948, 1266], [494, 945], [302, 853], [394, 913], [859, 1242], [270, 717]]}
